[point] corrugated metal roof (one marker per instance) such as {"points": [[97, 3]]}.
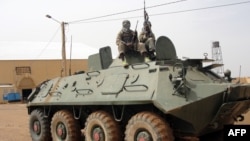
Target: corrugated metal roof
{"points": [[42, 50]]}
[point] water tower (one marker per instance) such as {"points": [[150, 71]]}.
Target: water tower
{"points": [[217, 57]]}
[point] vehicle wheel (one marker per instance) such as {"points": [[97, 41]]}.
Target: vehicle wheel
{"points": [[39, 126], [64, 127], [147, 126], [100, 126]]}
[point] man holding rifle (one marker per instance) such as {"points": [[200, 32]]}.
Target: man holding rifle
{"points": [[127, 39], [148, 38]]}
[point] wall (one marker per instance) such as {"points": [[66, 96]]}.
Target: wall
{"points": [[41, 70]]}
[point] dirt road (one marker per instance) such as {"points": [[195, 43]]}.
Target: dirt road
{"points": [[14, 122]]}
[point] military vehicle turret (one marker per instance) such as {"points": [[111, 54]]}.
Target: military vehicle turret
{"points": [[165, 99]]}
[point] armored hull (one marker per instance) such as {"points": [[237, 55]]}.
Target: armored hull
{"points": [[163, 100]]}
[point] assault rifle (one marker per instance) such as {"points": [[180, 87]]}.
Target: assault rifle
{"points": [[146, 21], [135, 34]]}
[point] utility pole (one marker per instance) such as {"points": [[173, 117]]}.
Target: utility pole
{"points": [[64, 63]]}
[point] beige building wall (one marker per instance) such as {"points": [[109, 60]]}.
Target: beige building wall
{"points": [[242, 80], [14, 76]]}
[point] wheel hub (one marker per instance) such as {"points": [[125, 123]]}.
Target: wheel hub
{"points": [[98, 134], [143, 136], [61, 131], [37, 127]]}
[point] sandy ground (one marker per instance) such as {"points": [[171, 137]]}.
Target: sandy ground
{"points": [[14, 122]]}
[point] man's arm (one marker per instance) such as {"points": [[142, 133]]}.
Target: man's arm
{"points": [[119, 39]]}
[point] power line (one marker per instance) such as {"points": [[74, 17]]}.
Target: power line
{"points": [[49, 42], [174, 12], [107, 20], [82, 20], [203, 8]]}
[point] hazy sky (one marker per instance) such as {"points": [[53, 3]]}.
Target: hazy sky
{"points": [[192, 32]]}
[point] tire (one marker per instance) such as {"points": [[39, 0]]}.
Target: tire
{"points": [[148, 126], [39, 126], [64, 127], [100, 126]]}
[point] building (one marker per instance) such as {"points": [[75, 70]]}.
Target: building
{"points": [[25, 65], [22, 76], [242, 80]]}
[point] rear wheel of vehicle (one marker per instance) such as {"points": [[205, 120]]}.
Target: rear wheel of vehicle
{"points": [[39, 126], [147, 126], [100, 126], [64, 127]]}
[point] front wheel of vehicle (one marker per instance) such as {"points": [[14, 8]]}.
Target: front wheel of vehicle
{"points": [[39, 126]]}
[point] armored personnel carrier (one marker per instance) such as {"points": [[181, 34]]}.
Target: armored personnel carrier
{"points": [[162, 100]]}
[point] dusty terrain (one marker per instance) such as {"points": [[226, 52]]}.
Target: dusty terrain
{"points": [[14, 122]]}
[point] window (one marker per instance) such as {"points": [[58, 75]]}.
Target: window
{"points": [[23, 70]]}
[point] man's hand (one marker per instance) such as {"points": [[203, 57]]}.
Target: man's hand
{"points": [[130, 44], [135, 34], [144, 38]]}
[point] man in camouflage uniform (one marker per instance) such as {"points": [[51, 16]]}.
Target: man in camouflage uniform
{"points": [[127, 40], [148, 38]]}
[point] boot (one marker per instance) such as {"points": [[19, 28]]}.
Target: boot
{"points": [[122, 56], [152, 55], [146, 57], [124, 62]]}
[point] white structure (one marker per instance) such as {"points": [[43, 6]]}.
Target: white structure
{"points": [[217, 56]]}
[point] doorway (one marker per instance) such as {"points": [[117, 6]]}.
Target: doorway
{"points": [[25, 94]]}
